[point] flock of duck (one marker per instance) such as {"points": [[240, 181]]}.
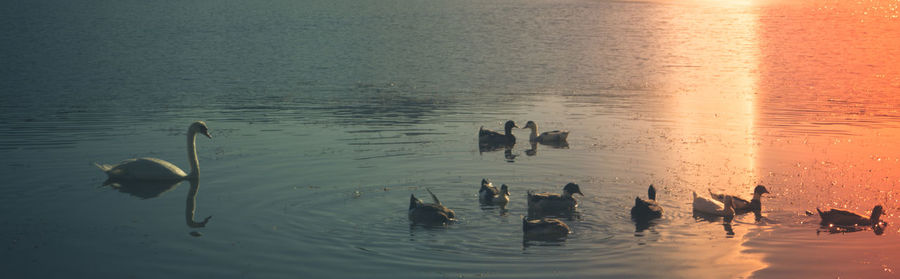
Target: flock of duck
{"points": [[543, 208]]}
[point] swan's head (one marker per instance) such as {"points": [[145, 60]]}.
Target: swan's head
{"points": [[200, 127]]}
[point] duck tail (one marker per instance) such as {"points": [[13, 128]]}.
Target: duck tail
{"points": [[433, 197], [103, 167]]}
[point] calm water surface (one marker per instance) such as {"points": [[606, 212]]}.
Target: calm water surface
{"points": [[327, 115]]}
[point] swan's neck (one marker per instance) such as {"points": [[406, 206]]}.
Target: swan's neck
{"points": [[192, 153], [534, 133]]}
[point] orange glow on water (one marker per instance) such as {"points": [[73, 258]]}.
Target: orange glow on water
{"points": [[828, 102]]}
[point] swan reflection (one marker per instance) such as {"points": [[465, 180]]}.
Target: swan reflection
{"points": [[153, 189]]}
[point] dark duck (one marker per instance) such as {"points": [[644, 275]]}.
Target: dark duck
{"points": [[848, 219], [646, 209], [542, 204], [742, 206], [488, 137], [490, 195], [544, 229], [429, 214]]}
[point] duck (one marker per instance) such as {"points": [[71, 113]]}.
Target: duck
{"points": [[153, 169], [742, 205], [712, 207], [488, 137], [646, 209], [551, 137], [553, 204], [839, 217], [429, 214], [544, 229], [488, 194]]}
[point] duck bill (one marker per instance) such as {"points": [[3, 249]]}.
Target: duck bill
{"points": [[207, 134]]}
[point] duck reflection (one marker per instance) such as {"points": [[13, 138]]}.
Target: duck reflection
{"points": [[507, 150], [153, 189], [641, 225], [534, 145]]}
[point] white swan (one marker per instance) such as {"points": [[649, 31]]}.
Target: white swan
{"points": [[713, 207], [152, 169]]}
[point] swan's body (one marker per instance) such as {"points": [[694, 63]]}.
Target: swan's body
{"points": [[542, 204], [488, 137], [713, 207], [846, 218], [551, 137], [544, 229], [429, 214], [153, 169], [646, 209], [488, 194], [742, 205]]}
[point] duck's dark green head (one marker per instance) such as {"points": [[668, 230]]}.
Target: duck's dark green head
{"points": [[651, 192], [572, 188], [504, 190], [509, 125]]}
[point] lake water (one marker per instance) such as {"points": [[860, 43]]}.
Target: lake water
{"points": [[327, 115]]}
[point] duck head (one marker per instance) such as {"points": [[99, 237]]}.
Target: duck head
{"points": [[876, 214], [531, 125], [759, 190], [509, 125], [504, 190], [571, 189], [651, 192]]}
